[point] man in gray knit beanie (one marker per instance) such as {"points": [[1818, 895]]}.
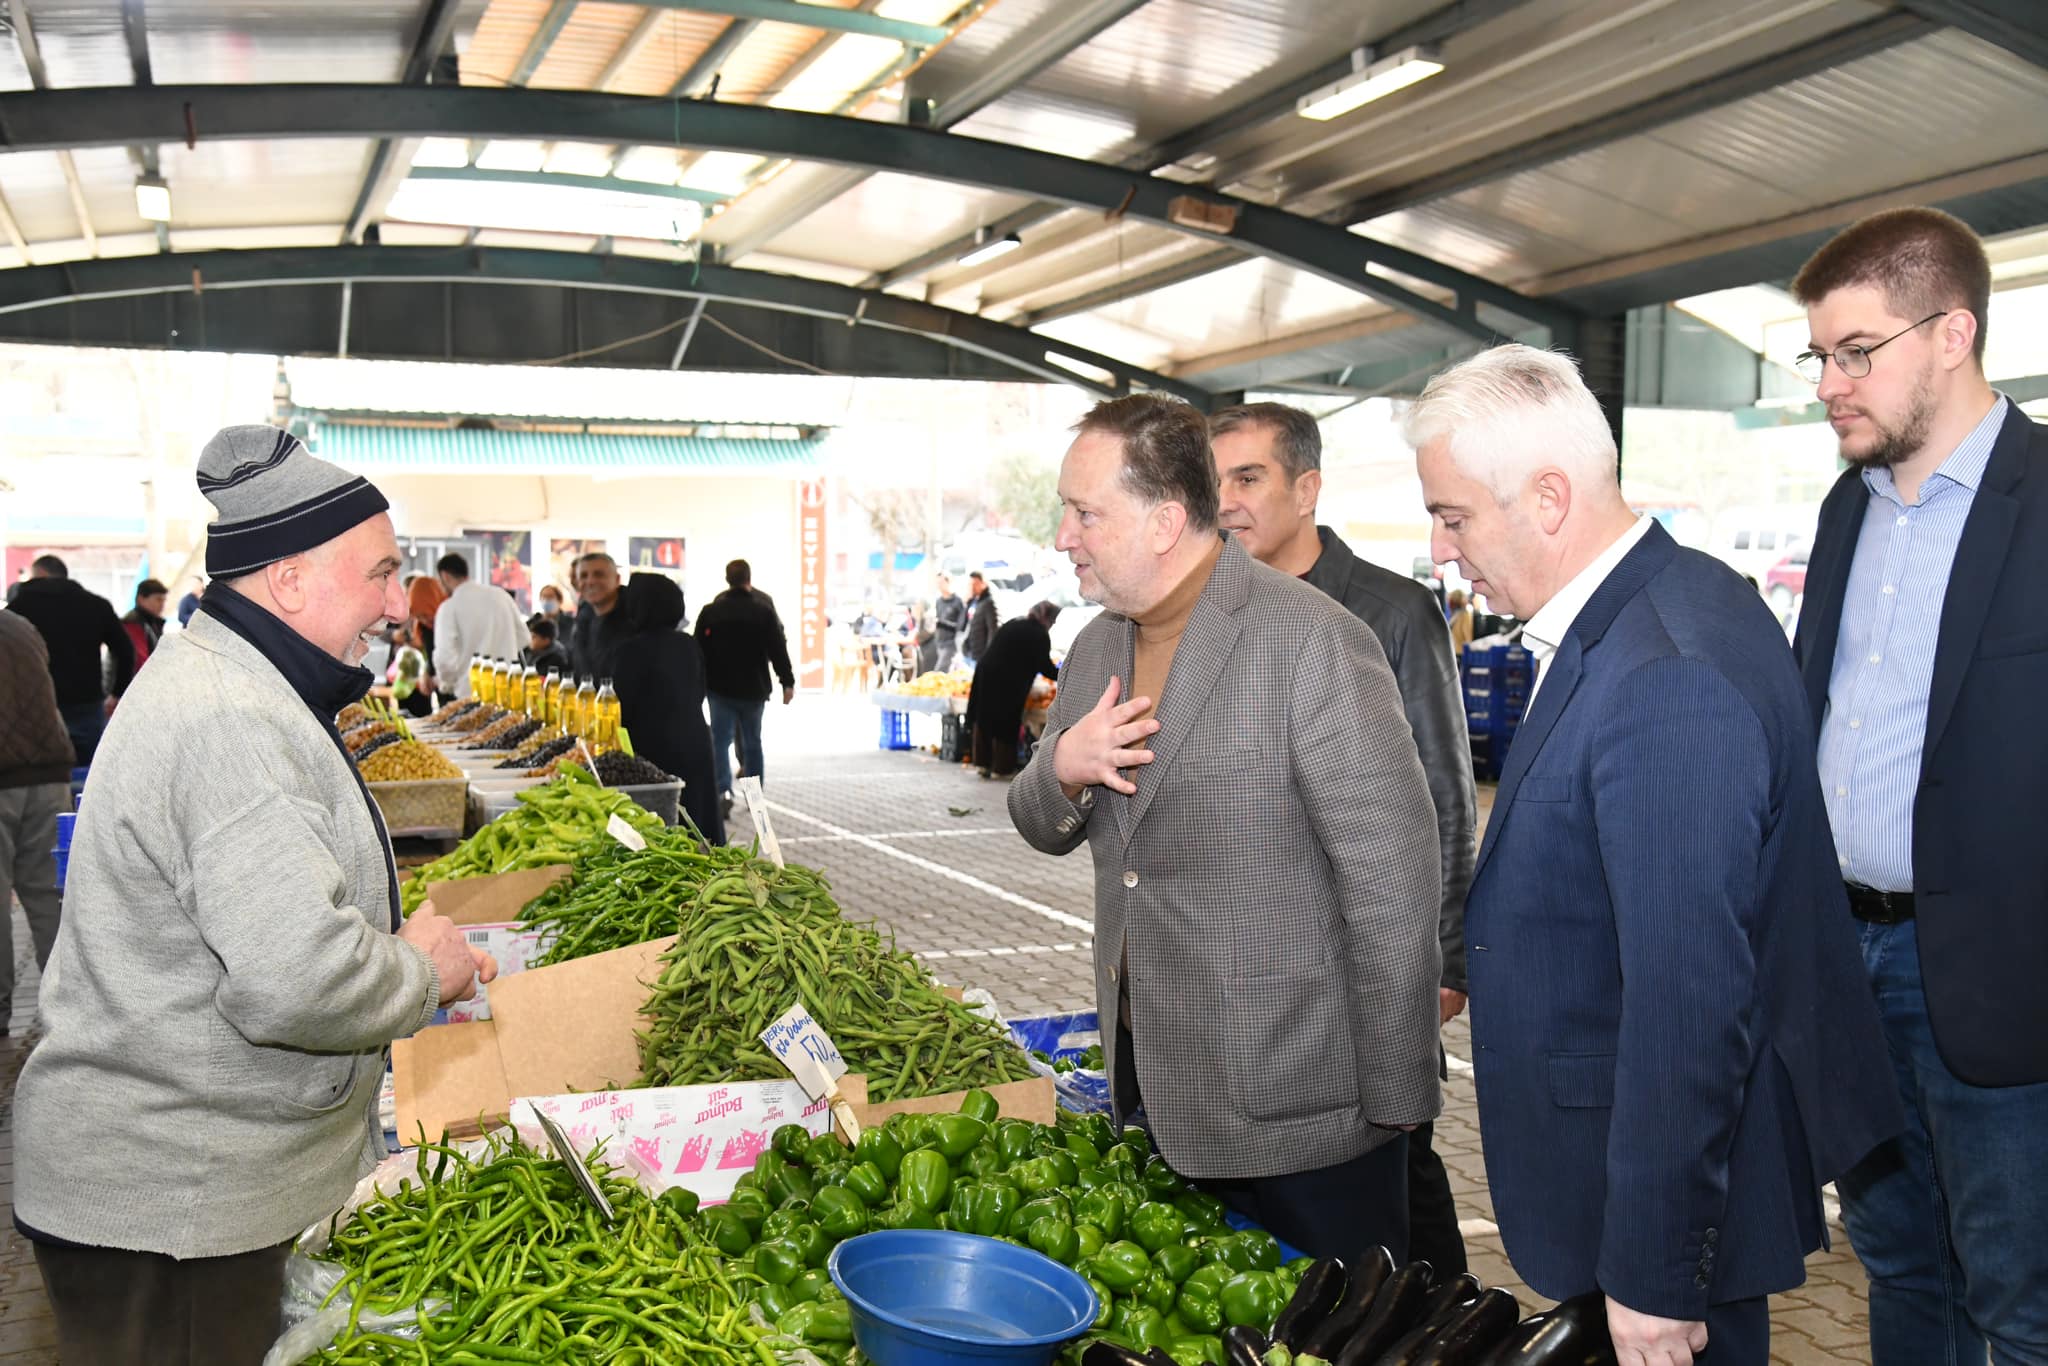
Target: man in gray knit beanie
{"points": [[231, 963]]}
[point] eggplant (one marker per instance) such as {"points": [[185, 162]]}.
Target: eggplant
{"points": [[1445, 1303], [1155, 1356], [1322, 1286], [1573, 1334], [1474, 1332], [1244, 1346], [1368, 1274], [1395, 1310], [1100, 1353]]}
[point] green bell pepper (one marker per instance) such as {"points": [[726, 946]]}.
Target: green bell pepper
{"points": [[1101, 1208], [1252, 1299], [1103, 1301], [982, 1207], [728, 1232], [1036, 1174], [1177, 1260], [1013, 1140], [822, 1151], [840, 1213], [816, 1244], [1138, 1140], [816, 1321], [790, 1140], [1155, 1225], [1204, 1349], [1298, 1267], [681, 1199], [773, 1299], [982, 1160], [1055, 1238], [1198, 1303], [809, 1285], [1146, 1327], [866, 1182], [980, 1105], [1123, 1265], [789, 1183], [1158, 1290], [1203, 1210], [1084, 1153], [752, 1207], [1096, 1129], [953, 1135], [783, 1223], [909, 1129], [905, 1214], [1037, 1207], [1090, 1238], [879, 1148], [1262, 1247], [778, 1261], [1162, 1182], [924, 1179]]}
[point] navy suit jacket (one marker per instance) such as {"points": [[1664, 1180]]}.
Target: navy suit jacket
{"points": [[1980, 864], [1673, 1039]]}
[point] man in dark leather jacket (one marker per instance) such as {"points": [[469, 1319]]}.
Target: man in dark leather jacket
{"points": [[1269, 460]]}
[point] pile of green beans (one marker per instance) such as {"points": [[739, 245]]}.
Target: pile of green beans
{"points": [[618, 896], [754, 941], [550, 825], [523, 1270]]}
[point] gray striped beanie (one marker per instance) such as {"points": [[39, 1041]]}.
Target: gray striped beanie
{"points": [[275, 499]]}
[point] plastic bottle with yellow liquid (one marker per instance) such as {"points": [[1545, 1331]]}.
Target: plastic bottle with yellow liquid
{"points": [[476, 674], [529, 690], [586, 709], [607, 703], [551, 699]]}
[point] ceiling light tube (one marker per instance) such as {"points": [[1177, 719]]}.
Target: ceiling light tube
{"points": [[1369, 81], [988, 248], [153, 198]]}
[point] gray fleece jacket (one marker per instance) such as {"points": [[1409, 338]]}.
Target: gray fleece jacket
{"points": [[225, 981]]}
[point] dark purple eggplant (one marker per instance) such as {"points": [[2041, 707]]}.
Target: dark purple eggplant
{"points": [[1445, 1303], [1156, 1356], [1474, 1332], [1321, 1287], [1368, 1274], [1573, 1334], [1100, 1353], [1396, 1309], [1245, 1346]]}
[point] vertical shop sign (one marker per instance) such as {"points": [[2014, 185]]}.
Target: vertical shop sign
{"points": [[810, 540]]}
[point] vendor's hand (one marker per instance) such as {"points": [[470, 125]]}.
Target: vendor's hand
{"points": [[1645, 1340], [1092, 750], [1449, 1004], [788, 696], [437, 936]]}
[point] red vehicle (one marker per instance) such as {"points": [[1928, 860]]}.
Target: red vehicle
{"points": [[1785, 583]]}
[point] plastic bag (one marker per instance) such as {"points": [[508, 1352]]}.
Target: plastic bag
{"points": [[1083, 1090]]}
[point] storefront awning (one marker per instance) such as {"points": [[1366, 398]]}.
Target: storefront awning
{"points": [[471, 450]]}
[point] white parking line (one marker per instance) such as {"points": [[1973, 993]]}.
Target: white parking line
{"points": [[951, 874], [905, 835], [1478, 1228], [1459, 1067], [1021, 948]]}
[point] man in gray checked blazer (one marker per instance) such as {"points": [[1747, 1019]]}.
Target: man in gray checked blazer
{"points": [[1266, 861]]}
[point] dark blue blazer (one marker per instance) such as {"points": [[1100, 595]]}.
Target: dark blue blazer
{"points": [[1980, 862], [1673, 1039]]}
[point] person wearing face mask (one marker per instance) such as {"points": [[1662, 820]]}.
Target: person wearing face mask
{"points": [[231, 964], [1923, 683]]}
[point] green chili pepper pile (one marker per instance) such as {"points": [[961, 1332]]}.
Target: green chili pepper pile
{"points": [[521, 1269], [754, 941], [548, 826], [618, 896]]}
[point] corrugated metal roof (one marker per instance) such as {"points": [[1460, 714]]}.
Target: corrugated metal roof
{"points": [[441, 450]]}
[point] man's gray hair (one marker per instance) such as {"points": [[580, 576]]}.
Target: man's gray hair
{"points": [[1512, 410], [1297, 437]]}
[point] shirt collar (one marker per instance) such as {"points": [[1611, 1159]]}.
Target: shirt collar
{"points": [[1965, 465], [1546, 630]]}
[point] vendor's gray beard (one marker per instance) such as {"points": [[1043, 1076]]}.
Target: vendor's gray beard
{"points": [[1896, 445]]}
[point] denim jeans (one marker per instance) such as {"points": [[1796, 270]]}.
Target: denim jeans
{"points": [[1950, 1219], [85, 722], [733, 718]]}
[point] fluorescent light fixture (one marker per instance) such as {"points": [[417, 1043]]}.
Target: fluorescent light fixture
{"points": [[988, 248], [511, 155], [445, 152], [153, 198], [1369, 81], [571, 209]]}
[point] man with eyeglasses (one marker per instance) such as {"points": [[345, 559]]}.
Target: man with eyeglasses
{"points": [[1931, 761]]}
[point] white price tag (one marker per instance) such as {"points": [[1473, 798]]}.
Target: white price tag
{"points": [[813, 1059], [625, 834], [757, 808]]}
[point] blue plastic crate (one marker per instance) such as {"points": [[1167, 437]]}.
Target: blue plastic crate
{"points": [[895, 730]]}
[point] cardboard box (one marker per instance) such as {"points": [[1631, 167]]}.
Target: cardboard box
{"points": [[1032, 1099], [496, 899]]}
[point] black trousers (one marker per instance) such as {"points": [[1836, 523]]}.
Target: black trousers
{"points": [[120, 1308], [1433, 1233], [1335, 1211], [1738, 1334]]}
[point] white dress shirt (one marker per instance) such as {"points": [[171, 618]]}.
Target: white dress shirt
{"points": [[1544, 632], [477, 619]]}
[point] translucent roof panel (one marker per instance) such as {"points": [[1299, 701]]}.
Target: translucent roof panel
{"points": [[547, 208], [887, 217]]}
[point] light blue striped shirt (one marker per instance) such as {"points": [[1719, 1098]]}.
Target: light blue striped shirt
{"points": [[1876, 719]]}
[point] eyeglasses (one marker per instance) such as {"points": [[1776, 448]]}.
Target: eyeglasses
{"points": [[1851, 359]]}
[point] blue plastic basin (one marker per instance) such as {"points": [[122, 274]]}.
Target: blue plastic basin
{"points": [[926, 1297]]}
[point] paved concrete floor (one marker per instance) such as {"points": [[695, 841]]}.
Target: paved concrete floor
{"points": [[926, 850]]}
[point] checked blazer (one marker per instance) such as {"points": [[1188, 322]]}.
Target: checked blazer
{"points": [[1273, 886]]}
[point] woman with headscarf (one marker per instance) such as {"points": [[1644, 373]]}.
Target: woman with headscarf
{"points": [[1018, 655], [659, 678], [423, 598]]}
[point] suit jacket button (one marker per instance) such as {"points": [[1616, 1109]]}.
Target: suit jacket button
{"points": [[1713, 1235], [1112, 976], [1130, 879], [1067, 826], [1700, 1280]]}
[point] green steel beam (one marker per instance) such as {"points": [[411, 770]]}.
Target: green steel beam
{"points": [[609, 183], [815, 16], [58, 119], [39, 287]]}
